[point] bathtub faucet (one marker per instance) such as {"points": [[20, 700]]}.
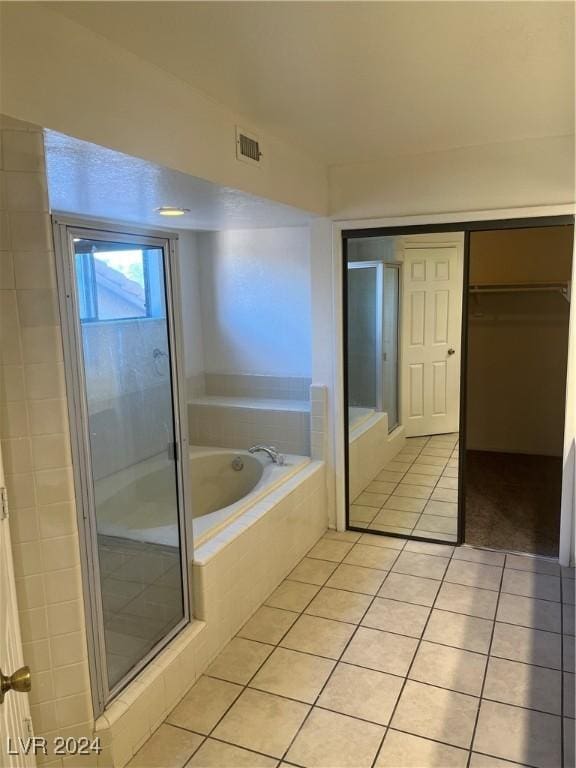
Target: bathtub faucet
{"points": [[274, 453]]}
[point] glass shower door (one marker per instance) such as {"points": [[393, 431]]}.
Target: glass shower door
{"points": [[130, 474], [390, 307]]}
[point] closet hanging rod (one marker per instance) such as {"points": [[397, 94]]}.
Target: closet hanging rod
{"points": [[561, 288]]}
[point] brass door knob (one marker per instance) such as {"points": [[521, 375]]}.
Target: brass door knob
{"points": [[19, 681]]}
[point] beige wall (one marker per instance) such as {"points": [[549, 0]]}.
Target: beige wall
{"points": [[60, 75], [517, 343], [34, 432], [533, 172]]}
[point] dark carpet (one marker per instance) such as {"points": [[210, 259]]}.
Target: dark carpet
{"points": [[513, 501]]}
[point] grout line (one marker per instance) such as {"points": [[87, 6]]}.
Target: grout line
{"points": [[393, 713], [485, 670]]}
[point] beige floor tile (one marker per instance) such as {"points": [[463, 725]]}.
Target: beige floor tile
{"points": [[441, 508], [381, 558], [529, 612], [327, 549], [534, 564], [405, 504], [568, 620], [268, 625], [360, 515], [483, 761], [434, 461], [450, 472], [395, 466], [312, 571], [445, 494], [262, 722], [349, 536], [329, 740], [418, 478], [429, 548], [412, 491], [357, 579], [426, 470], [436, 713], [387, 476], [396, 518], [323, 637], [292, 596], [524, 685], [383, 651], [371, 499], [484, 556], [388, 542], [429, 450], [216, 754], [394, 616], [204, 705], [339, 605], [532, 646], [569, 695], [410, 589], [474, 574], [362, 693], [293, 674], [402, 750], [386, 529], [382, 487], [459, 631], [416, 564], [531, 584], [520, 735], [468, 600], [239, 660], [436, 524], [169, 747], [450, 483], [447, 667]]}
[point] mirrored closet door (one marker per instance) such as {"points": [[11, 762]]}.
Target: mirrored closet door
{"points": [[403, 326]]}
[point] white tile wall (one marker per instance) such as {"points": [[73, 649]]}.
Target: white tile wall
{"points": [[238, 426], [35, 444], [369, 449]]}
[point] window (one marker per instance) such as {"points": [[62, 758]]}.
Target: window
{"points": [[118, 282]]}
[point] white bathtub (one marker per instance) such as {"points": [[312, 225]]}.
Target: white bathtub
{"points": [[138, 503], [221, 494]]}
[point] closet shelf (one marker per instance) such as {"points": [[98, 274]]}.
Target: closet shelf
{"points": [[562, 288]]}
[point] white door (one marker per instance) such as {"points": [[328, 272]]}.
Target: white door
{"points": [[431, 333], [14, 711]]}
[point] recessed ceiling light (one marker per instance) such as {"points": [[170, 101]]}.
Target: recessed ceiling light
{"points": [[170, 210]]}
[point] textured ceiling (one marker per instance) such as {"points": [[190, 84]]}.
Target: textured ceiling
{"points": [[89, 180], [351, 81]]}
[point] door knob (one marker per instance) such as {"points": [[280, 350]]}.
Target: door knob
{"points": [[451, 351], [19, 681]]}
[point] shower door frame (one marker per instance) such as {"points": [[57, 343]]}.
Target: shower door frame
{"points": [[65, 229]]}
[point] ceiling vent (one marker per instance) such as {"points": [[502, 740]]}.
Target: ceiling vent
{"points": [[248, 147]]}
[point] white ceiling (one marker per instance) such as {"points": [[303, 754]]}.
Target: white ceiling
{"points": [[352, 81], [89, 180]]}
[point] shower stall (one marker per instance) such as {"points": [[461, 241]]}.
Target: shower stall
{"points": [[373, 289], [129, 438]]}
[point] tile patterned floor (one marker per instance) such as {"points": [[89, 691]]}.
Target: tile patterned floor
{"points": [[414, 494], [380, 652]]}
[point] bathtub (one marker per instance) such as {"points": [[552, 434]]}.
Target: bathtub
{"points": [[138, 503]]}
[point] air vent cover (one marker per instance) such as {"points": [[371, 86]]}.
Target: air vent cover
{"points": [[248, 147]]}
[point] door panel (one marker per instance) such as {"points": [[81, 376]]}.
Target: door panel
{"points": [[431, 329], [15, 711]]}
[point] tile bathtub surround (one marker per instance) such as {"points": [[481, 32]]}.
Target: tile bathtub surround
{"points": [[257, 386], [416, 492], [35, 445], [343, 669]]}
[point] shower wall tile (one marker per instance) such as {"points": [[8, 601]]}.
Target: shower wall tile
{"points": [[257, 386], [35, 443]]}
